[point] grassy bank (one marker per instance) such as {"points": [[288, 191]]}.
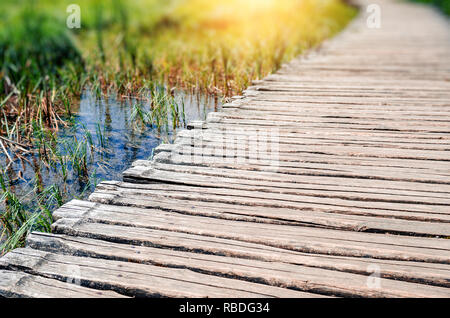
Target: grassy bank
{"points": [[139, 51]]}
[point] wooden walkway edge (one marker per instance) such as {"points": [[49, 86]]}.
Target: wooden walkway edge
{"points": [[329, 178]]}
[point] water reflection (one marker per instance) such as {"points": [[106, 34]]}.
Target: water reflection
{"points": [[125, 139]]}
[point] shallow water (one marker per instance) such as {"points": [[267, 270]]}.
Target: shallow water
{"points": [[127, 144], [126, 141]]}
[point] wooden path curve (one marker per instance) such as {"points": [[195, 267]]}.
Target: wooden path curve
{"points": [[344, 192]]}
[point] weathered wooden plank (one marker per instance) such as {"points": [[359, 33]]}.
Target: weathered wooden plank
{"points": [[385, 104], [338, 111], [392, 134], [273, 273], [228, 247], [297, 238], [184, 174], [308, 81], [255, 104], [228, 139], [212, 157], [138, 238], [262, 151], [325, 116], [350, 223], [395, 134], [292, 97], [309, 215], [15, 284], [349, 125], [216, 156], [364, 74], [254, 198], [299, 136], [274, 199], [286, 82], [429, 273], [362, 93], [335, 119], [394, 186], [149, 175], [236, 146], [134, 279]]}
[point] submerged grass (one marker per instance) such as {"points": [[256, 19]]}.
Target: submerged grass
{"points": [[139, 50], [72, 161], [18, 219]]}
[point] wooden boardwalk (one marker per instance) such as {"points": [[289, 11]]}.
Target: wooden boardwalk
{"points": [[357, 186]]}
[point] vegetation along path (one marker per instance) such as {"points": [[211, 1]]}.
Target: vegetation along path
{"points": [[350, 195]]}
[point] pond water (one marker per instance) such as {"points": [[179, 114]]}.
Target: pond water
{"points": [[116, 139]]}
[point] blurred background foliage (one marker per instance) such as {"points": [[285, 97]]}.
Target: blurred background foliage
{"points": [[444, 5]]}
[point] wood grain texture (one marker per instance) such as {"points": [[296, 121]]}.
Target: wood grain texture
{"points": [[134, 279], [17, 284], [223, 254]]}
